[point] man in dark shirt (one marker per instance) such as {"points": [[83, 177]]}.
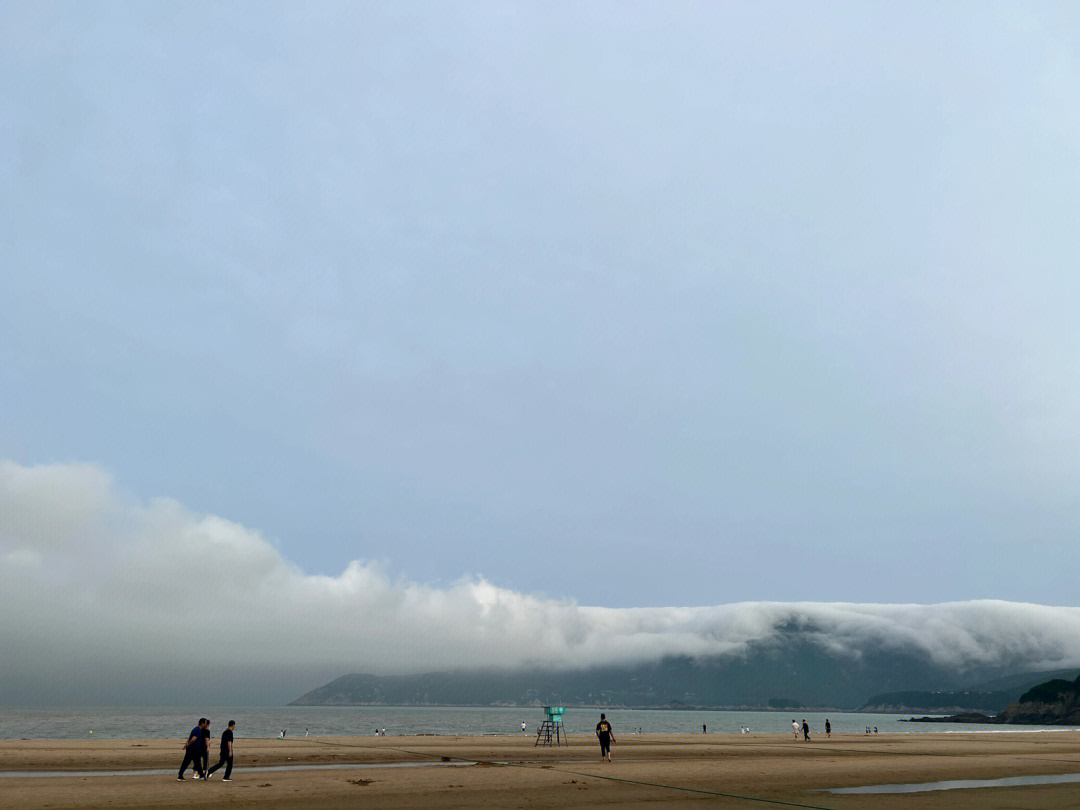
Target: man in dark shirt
{"points": [[226, 757], [193, 749], [606, 735], [205, 748]]}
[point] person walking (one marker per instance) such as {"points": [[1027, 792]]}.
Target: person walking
{"points": [[193, 750], [794, 728], [226, 753], [828, 728], [805, 731], [205, 752], [523, 727], [606, 735]]}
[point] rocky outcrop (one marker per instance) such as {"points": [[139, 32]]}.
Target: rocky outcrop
{"points": [[1054, 703], [963, 717]]}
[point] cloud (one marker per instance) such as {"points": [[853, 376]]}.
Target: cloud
{"points": [[105, 596]]}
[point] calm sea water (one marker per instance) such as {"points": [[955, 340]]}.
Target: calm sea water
{"points": [[341, 721]]}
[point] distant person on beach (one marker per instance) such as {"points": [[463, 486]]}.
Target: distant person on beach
{"points": [[523, 727], [606, 735], [226, 755], [794, 728], [193, 750], [828, 728], [702, 728], [805, 731]]}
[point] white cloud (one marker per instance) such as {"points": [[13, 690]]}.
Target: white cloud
{"points": [[97, 585]]}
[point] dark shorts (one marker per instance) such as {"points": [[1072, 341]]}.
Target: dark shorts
{"points": [[605, 745]]}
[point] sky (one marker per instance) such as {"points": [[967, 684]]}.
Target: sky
{"points": [[623, 310]]}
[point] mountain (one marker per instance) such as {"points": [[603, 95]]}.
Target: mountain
{"points": [[1054, 703], [1021, 682], [988, 697], [792, 669], [953, 702]]}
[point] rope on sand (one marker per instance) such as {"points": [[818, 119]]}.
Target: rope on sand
{"points": [[703, 791], [679, 787]]}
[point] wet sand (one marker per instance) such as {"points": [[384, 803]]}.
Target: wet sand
{"points": [[649, 771]]}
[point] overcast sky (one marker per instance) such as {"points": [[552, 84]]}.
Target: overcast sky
{"points": [[609, 305]]}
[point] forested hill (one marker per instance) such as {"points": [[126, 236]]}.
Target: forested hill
{"points": [[795, 673], [1056, 702], [922, 701], [989, 697]]}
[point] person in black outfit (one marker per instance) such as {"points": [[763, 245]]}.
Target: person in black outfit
{"points": [[606, 735], [828, 728], [805, 731], [193, 750], [226, 757], [205, 748]]}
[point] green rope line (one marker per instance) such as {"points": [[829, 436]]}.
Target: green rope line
{"points": [[678, 787], [840, 748], [703, 791]]}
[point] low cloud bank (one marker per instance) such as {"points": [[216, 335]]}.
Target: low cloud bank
{"points": [[104, 596]]}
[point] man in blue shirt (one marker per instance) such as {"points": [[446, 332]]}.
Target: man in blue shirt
{"points": [[193, 750]]}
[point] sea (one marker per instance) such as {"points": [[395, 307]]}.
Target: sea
{"points": [[114, 722]]}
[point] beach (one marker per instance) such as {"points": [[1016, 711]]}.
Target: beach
{"points": [[654, 771]]}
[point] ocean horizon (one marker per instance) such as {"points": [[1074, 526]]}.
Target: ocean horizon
{"points": [[149, 722]]}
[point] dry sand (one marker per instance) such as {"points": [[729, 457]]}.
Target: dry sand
{"points": [[649, 771]]}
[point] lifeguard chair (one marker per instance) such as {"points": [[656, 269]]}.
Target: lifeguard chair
{"points": [[551, 730]]}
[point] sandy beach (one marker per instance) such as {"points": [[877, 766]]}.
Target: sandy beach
{"points": [[654, 771]]}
